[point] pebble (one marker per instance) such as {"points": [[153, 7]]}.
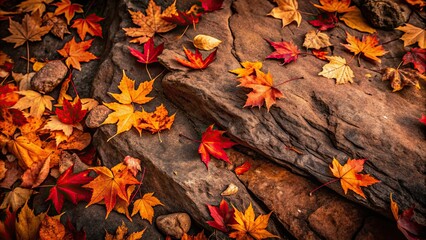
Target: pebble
{"points": [[175, 224], [49, 77]]}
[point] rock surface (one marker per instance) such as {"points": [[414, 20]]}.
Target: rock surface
{"points": [[175, 224], [385, 14], [49, 76], [360, 120]]}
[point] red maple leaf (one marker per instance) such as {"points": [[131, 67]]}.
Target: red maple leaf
{"points": [[8, 97], [212, 142], [423, 119], [71, 112], [150, 52], [184, 18], [325, 21], [88, 25], [222, 216], [211, 5], [8, 227], [416, 56], [69, 186], [284, 50], [196, 60], [243, 168]]}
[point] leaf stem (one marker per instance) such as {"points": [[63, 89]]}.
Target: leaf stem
{"points": [[147, 71], [292, 79], [190, 139], [159, 137], [45, 186], [323, 185]]}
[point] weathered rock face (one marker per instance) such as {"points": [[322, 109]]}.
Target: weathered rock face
{"points": [[385, 14], [360, 120]]}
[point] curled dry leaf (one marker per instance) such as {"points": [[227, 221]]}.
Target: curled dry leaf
{"points": [[222, 216], [317, 40], [26, 151], [230, 190], [205, 42], [287, 11], [243, 168], [401, 77], [338, 69], [133, 164]]}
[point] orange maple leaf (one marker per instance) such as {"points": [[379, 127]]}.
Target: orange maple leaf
{"points": [[196, 59], [67, 8], [88, 25], [349, 176], [248, 68], [367, 46], [263, 90], [155, 121], [340, 6], [76, 53], [247, 227], [110, 184], [199, 236]]}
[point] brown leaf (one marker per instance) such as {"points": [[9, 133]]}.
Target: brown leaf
{"points": [[35, 175], [51, 229], [287, 11], [317, 40], [16, 198], [59, 26], [28, 224], [401, 77], [13, 173]]}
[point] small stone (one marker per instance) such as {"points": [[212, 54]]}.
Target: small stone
{"points": [[385, 14], [97, 116], [175, 224], [50, 76]]}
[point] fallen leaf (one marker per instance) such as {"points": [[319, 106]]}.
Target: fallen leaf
{"points": [[145, 206], [69, 186], [213, 143], [24, 80], [51, 228], [63, 92], [34, 6], [36, 174], [26, 151], [248, 69], [411, 229], [368, 46], [8, 95], [71, 113], [423, 119], [8, 227], [421, 3], [110, 184], [211, 5], [287, 12], [156, 121], [340, 6], [183, 18], [28, 224], [320, 54], [13, 173], [230, 190], [133, 164], [206, 42], [78, 140], [88, 25], [243, 168], [263, 90], [324, 21], [124, 115], [247, 227], [122, 206], [77, 52], [121, 234], [29, 30], [3, 170], [129, 94], [284, 50], [401, 77], [355, 20], [16, 198], [196, 59], [412, 35], [417, 57], [150, 23], [349, 175], [150, 52], [59, 26], [338, 69], [222, 216], [89, 103], [317, 40], [199, 236], [36, 102], [68, 9], [54, 124]]}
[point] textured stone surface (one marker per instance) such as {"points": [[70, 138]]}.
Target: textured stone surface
{"points": [[385, 14], [360, 120], [175, 224], [97, 116], [49, 76]]}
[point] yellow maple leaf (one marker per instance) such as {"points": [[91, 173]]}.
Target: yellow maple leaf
{"points": [[355, 20], [28, 224], [36, 102], [368, 46], [316, 40], [145, 206], [248, 68], [287, 12], [129, 94], [34, 6], [340, 6], [156, 121], [54, 124], [150, 23], [121, 234], [26, 151], [247, 227], [124, 115], [29, 30], [412, 35], [338, 69]]}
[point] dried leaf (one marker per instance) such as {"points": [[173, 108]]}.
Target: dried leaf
{"points": [[54, 124], [51, 228], [16, 198], [36, 174], [213, 143], [3, 170], [284, 50], [368, 46], [88, 25], [206, 42], [129, 94], [59, 26], [222, 215], [26, 151], [13, 173], [77, 52], [338, 69], [33, 6], [411, 229], [355, 20], [248, 69], [156, 121], [196, 59], [184, 18], [230, 190], [121, 234], [36, 102], [8, 227], [145, 206], [421, 3], [324, 21], [28, 224], [78, 140], [68, 9], [24, 80], [417, 57], [71, 113], [287, 12], [133, 164], [340, 6], [412, 35], [199, 236], [150, 52], [243, 168], [401, 77], [317, 40]]}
